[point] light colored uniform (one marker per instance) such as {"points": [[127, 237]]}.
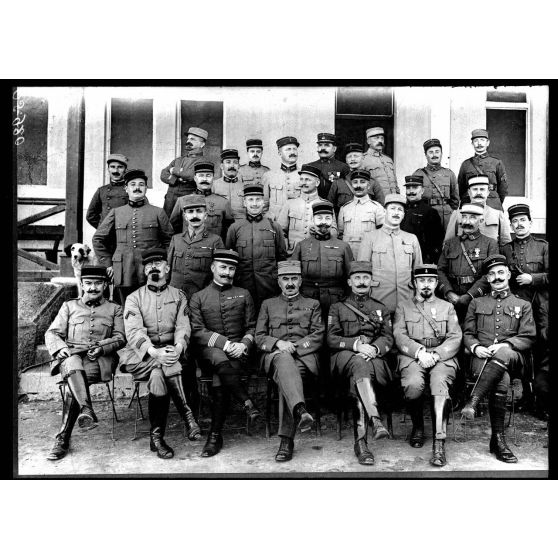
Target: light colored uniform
{"points": [[382, 170], [280, 186]]}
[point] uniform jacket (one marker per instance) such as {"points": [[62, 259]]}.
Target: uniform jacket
{"points": [[260, 244], [190, 260], [78, 325], [382, 169], [251, 173], [424, 222], [394, 254], [411, 330], [182, 169], [297, 319], [280, 186], [341, 192], [233, 192], [494, 169], [345, 328], [154, 318], [132, 230], [455, 273], [105, 198], [495, 318], [494, 225], [331, 170]]}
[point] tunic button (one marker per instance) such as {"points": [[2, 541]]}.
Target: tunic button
{"points": [[158, 308], [158, 320], [497, 327], [108, 197], [109, 206], [497, 319]]}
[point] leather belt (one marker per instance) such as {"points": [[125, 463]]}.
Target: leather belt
{"points": [[431, 342], [438, 201], [464, 280], [161, 340]]}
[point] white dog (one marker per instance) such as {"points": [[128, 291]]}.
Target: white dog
{"points": [[81, 255]]}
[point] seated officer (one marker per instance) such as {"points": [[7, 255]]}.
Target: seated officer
{"points": [[83, 337], [428, 337], [223, 321], [158, 333], [289, 334], [497, 326], [359, 337]]}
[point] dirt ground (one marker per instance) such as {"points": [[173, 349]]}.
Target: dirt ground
{"points": [[95, 453]]}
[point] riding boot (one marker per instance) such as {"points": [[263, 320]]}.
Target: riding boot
{"points": [[497, 411], [233, 384], [285, 451], [414, 407], [367, 397], [218, 412], [69, 417], [158, 408], [78, 385], [360, 426], [489, 377], [439, 410], [302, 418], [176, 390]]}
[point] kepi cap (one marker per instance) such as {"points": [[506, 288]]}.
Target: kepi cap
{"points": [[472, 208], [519, 209], [359, 173], [375, 131], [325, 137], [322, 207], [287, 140], [94, 272], [200, 132], [289, 267], [153, 255], [228, 256], [253, 190], [360, 267], [479, 133], [426, 270], [493, 260], [479, 180], [229, 154], [133, 174], [309, 169], [118, 157], [395, 198], [351, 147], [433, 142], [204, 166], [414, 180], [192, 201], [254, 143]]}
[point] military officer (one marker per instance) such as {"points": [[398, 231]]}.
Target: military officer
{"points": [[498, 326], [439, 183], [252, 173], [128, 230], [179, 174], [381, 167], [494, 224], [84, 336], [460, 276], [260, 245], [158, 334], [393, 253], [110, 195], [219, 213], [422, 220], [484, 164], [190, 253], [361, 214], [330, 167], [289, 334], [223, 323], [283, 184], [428, 338], [359, 336]]}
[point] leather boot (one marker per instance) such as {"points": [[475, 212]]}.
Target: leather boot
{"points": [[417, 434], [303, 419], [490, 376], [158, 408], [360, 426], [497, 411], [214, 441], [176, 390], [62, 440], [438, 458], [252, 411], [439, 411], [367, 397], [78, 385], [286, 447]]}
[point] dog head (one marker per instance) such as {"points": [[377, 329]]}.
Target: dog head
{"points": [[78, 252]]}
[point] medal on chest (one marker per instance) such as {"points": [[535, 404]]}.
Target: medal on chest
{"points": [[517, 311], [433, 312], [476, 252], [379, 314]]}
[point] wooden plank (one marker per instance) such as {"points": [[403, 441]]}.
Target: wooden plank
{"points": [[41, 232], [36, 259], [41, 215], [41, 201]]}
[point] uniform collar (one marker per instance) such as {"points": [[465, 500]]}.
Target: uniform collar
{"points": [[255, 165], [118, 183], [286, 168], [218, 287], [233, 180], [483, 156], [251, 219], [156, 289], [374, 152], [327, 159], [310, 197], [197, 232], [435, 167], [359, 298], [524, 240], [363, 199], [322, 237], [290, 298], [205, 192], [138, 203], [472, 236], [388, 229], [500, 294], [415, 203], [197, 152], [420, 298], [93, 303]]}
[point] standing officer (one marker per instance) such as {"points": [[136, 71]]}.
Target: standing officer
{"points": [[361, 214], [289, 334], [422, 220], [381, 167], [223, 323], [110, 195], [158, 333], [283, 184], [94, 327], [253, 172], [428, 337], [439, 183], [330, 168], [460, 276], [179, 175], [494, 224], [260, 245], [393, 253], [219, 213], [498, 326], [483, 164], [131, 228], [359, 336]]}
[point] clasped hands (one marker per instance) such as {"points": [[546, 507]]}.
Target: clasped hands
{"points": [[166, 355], [487, 352], [236, 350], [427, 359], [365, 349]]}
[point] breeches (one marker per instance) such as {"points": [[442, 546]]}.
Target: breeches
{"points": [[79, 362], [503, 385], [413, 382], [376, 369], [149, 369]]}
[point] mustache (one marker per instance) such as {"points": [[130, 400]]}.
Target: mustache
{"points": [[292, 156], [205, 183], [231, 168], [92, 292], [195, 220], [290, 287], [361, 286], [322, 150], [136, 191]]}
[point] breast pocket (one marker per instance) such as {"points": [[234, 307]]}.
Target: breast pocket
{"points": [[335, 266], [351, 326], [380, 259], [484, 318], [106, 328], [201, 259], [414, 325], [242, 247], [178, 261], [296, 219], [368, 222], [76, 327], [407, 255], [121, 233], [149, 231], [276, 192], [511, 323], [268, 248], [535, 264], [310, 267]]}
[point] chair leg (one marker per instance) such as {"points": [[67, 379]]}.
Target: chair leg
{"points": [[316, 396], [268, 397], [339, 417], [114, 415]]}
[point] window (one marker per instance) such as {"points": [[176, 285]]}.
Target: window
{"points": [[32, 152], [207, 115]]}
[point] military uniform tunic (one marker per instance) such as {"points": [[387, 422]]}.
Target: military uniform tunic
{"points": [[107, 197], [494, 169], [190, 260], [331, 169], [260, 244], [382, 170], [133, 228], [393, 253], [341, 192], [81, 325], [233, 191], [252, 173], [440, 190], [280, 186]]}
